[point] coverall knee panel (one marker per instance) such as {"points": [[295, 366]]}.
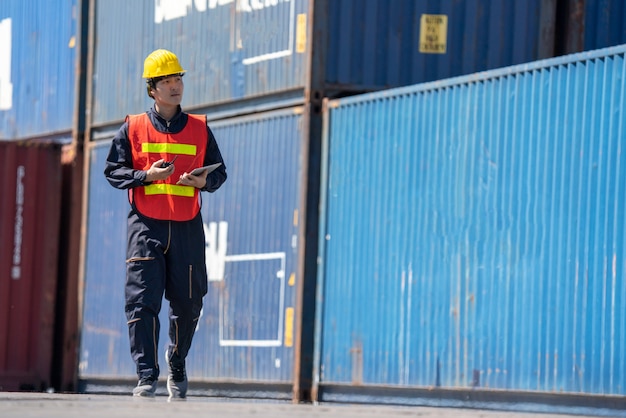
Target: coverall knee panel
{"points": [[145, 265], [145, 284]]}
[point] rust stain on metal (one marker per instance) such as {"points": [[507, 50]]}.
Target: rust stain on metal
{"points": [[357, 363]]}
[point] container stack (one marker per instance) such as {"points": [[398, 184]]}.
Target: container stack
{"points": [[273, 78]]}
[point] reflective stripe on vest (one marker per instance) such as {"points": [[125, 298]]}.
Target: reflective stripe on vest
{"points": [[176, 149], [164, 199], [173, 189]]}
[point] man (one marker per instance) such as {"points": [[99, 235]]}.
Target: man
{"points": [[152, 156]]}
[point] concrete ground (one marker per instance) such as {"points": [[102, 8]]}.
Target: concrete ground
{"points": [[45, 405]]}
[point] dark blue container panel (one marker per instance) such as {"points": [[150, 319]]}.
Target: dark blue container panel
{"points": [[38, 42], [473, 232], [231, 51], [247, 329], [376, 44], [238, 50], [605, 24], [586, 25]]}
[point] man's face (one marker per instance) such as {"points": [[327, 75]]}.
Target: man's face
{"points": [[169, 91]]}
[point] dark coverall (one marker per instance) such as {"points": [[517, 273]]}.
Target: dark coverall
{"points": [[163, 257]]}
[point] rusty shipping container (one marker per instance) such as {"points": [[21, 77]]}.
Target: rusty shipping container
{"points": [[29, 239], [472, 242], [247, 333], [273, 52]]}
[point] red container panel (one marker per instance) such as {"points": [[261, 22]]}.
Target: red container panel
{"points": [[31, 181]]}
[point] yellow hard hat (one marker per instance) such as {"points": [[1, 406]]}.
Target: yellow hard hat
{"points": [[161, 63]]}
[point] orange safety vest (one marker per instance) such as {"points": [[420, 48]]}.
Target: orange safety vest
{"points": [[164, 199]]}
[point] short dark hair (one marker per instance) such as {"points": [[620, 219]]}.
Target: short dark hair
{"points": [[152, 82]]}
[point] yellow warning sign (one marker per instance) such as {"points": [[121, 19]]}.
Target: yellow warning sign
{"points": [[301, 33], [433, 34], [289, 314]]}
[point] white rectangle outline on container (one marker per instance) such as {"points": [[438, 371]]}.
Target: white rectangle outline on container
{"points": [[180, 10], [281, 303], [278, 54]]}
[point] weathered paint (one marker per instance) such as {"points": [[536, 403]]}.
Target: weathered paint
{"points": [[231, 50], [472, 232], [38, 42], [238, 51], [247, 327], [590, 24], [31, 180], [378, 44], [64, 373]]}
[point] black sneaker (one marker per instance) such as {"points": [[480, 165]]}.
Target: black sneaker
{"points": [[146, 387], [176, 382]]}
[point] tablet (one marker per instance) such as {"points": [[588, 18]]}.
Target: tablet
{"points": [[199, 170]]}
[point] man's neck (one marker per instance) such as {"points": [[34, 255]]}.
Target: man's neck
{"points": [[166, 112]]}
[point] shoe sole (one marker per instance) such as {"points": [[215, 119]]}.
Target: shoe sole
{"points": [[173, 397], [176, 397], [143, 395]]}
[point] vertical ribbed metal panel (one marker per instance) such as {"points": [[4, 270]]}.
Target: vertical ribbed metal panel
{"points": [[376, 44], [248, 327], [104, 348], [473, 232], [247, 50], [585, 25], [30, 218], [37, 67], [247, 330], [605, 23], [230, 50]]}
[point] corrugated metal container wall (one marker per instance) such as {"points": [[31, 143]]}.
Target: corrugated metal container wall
{"points": [[230, 50], [376, 44], [247, 329], [29, 238], [235, 51], [591, 24], [104, 348], [605, 23], [37, 67], [473, 232]]}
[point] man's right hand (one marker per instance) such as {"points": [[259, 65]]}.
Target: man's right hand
{"points": [[156, 172]]}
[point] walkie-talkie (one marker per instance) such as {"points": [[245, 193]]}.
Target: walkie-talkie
{"points": [[168, 163]]}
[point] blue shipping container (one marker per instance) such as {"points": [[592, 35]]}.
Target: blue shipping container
{"points": [[378, 44], [248, 327], [472, 232], [604, 24], [38, 42], [230, 50], [252, 50]]}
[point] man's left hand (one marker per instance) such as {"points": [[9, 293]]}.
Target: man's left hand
{"points": [[187, 179]]}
